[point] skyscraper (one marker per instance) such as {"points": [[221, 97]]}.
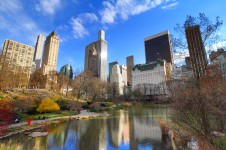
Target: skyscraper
{"points": [[17, 56], [119, 77], [38, 50], [196, 50], [158, 46], [110, 68], [130, 65], [96, 57], [50, 56], [67, 71]]}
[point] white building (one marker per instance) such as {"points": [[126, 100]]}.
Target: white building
{"points": [[218, 59], [150, 78], [119, 77], [151, 73], [181, 73], [39, 50]]}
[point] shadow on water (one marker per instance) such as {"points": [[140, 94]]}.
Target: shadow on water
{"points": [[135, 128]]}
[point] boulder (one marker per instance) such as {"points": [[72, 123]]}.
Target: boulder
{"points": [[37, 134]]}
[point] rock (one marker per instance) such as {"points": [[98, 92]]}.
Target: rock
{"points": [[37, 134], [217, 134]]}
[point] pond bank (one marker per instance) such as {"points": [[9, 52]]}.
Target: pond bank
{"points": [[35, 124]]}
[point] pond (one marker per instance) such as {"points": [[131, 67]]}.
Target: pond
{"points": [[134, 128]]}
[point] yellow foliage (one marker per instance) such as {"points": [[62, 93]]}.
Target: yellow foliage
{"points": [[55, 97], [47, 105]]}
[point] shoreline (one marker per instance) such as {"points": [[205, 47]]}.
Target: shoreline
{"points": [[36, 124]]}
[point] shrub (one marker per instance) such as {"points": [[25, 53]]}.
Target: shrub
{"points": [[63, 104], [47, 105]]}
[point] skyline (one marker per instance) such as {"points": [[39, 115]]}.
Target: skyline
{"points": [[126, 23]]}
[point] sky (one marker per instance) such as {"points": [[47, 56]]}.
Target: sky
{"points": [[126, 23]]}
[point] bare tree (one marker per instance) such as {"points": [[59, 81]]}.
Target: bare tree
{"points": [[37, 79], [199, 108], [208, 32], [95, 88], [64, 82], [81, 84]]}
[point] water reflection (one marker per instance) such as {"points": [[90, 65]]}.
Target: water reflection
{"points": [[134, 128]]}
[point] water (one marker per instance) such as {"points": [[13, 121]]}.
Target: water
{"points": [[134, 128]]}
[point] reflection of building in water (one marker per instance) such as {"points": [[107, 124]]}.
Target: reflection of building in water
{"points": [[94, 137], [146, 130], [119, 129], [102, 137]]}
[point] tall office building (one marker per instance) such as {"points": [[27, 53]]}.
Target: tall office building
{"points": [[130, 65], [50, 55], [158, 47], [119, 77], [67, 71], [38, 50], [96, 57], [17, 57], [110, 68], [196, 50]]}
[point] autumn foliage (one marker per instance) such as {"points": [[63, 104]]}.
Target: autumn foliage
{"points": [[6, 116], [47, 105]]}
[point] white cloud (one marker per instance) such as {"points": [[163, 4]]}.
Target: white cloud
{"points": [[170, 6], [218, 45], [48, 7], [16, 22], [10, 6], [123, 9], [78, 24], [179, 57]]}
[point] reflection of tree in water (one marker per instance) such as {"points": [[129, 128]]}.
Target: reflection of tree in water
{"points": [[95, 136], [58, 138], [137, 126], [22, 142]]}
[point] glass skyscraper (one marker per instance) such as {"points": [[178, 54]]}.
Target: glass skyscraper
{"points": [[158, 47]]}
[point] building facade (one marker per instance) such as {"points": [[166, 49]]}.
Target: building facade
{"points": [[67, 71], [151, 73], [119, 77], [17, 57], [110, 69], [151, 79], [158, 46], [39, 50], [196, 50], [50, 55], [130, 65], [96, 57], [218, 61], [181, 73]]}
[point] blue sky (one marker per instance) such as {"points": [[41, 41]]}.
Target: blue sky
{"points": [[126, 23]]}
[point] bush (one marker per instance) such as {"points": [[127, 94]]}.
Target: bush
{"points": [[47, 105], [85, 106], [63, 104]]}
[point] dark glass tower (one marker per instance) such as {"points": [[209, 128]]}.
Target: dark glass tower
{"points": [[158, 47], [67, 71]]}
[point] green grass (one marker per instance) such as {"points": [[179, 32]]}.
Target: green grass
{"points": [[220, 143], [24, 117]]}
